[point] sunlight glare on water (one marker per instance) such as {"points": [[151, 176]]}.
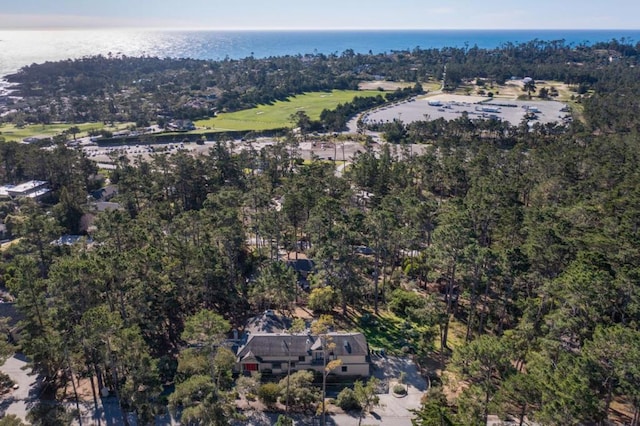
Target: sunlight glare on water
{"points": [[24, 47], [20, 48]]}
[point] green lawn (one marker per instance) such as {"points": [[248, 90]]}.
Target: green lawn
{"points": [[277, 115], [12, 133], [263, 117], [388, 331]]}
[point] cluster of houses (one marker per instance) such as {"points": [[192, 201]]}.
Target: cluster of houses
{"points": [[266, 345]]}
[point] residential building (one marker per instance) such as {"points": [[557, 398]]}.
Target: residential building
{"points": [[272, 353], [31, 189], [69, 240]]}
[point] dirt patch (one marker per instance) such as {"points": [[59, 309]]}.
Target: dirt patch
{"points": [[513, 89], [510, 90], [291, 255], [83, 387], [621, 411], [303, 313]]}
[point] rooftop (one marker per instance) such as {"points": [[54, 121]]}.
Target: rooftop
{"points": [[267, 322], [283, 344], [28, 186]]}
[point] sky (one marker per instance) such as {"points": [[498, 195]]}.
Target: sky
{"points": [[322, 14]]}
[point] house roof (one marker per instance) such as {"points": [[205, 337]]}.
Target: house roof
{"points": [[102, 206], [301, 265], [27, 186], [105, 193], [349, 344], [31, 189], [275, 345], [281, 345], [268, 322], [68, 240], [249, 356]]}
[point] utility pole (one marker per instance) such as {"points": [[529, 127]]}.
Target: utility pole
{"points": [[324, 378], [297, 325], [288, 347], [321, 329]]}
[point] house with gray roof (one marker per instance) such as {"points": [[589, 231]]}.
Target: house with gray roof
{"points": [[272, 352], [268, 322]]}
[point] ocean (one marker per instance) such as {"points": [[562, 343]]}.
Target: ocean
{"points": [[24, 47]]}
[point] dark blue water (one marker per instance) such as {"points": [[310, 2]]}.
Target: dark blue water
{"points": [[20, 48], [260, 44]]}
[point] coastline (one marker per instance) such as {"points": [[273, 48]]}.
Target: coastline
{"points": [[4, 84], [19, 48]]}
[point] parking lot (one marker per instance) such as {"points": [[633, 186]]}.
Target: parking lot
{"points": [[451, 107]]}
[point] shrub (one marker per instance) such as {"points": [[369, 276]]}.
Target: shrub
{"points": [[302, 393], [399, 390], [5, 382], [347, 400], [322, 299], [284, 421], [268, 394], [402, 301]]}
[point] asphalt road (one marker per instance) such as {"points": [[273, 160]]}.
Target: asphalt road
{"points": [[20, 400]]}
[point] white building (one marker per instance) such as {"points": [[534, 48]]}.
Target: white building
{"points": [[32, 189]]}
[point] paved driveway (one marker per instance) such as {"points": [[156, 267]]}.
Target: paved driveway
{"points": [[392, 411], [20, 400]]}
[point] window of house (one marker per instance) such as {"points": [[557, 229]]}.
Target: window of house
{"points": [[301, 358], [344, 368], [276, 365]]}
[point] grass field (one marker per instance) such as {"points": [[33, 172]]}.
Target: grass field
{"points": [[431, 86], [263, 117], [12, 133], [428, 86], [277, 115], [388, 331], [383, 85]]}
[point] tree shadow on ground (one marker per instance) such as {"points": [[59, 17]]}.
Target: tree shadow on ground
{"points": [[391, 368], [5, 403]]}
